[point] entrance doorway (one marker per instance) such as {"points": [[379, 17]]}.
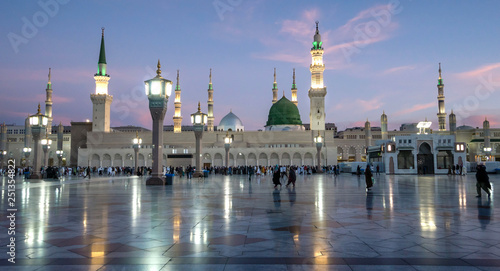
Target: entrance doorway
{"points": [[425, 159]]}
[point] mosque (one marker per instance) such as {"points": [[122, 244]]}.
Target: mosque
{"points": [[286, 140]]}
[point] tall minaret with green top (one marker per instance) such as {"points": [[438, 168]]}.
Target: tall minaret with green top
{"points": [[48, 105], [101, 100], [294, 90], [317, 92], [177, 104], [441, 111], [210, 117], [275, 88]]}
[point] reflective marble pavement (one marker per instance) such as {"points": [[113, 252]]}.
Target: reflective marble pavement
{"points": [[231, 223]]}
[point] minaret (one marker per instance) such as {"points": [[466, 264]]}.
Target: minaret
{"points": [[210, 119], [177, 104], [453, 123], [486, 133], [48, 105], [101, 100], [441, 112], [294, 90], [317, 92], [383, 124], [368, 134], [275, 88]]}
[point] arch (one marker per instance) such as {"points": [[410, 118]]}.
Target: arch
{"points": [[106, 160], [117, 160], [352, 154], [263, 159], [308, 159], [340, 153], [275, 159], [297, 159], [240, 159], [252, 159], [129, 160], [425, 159], [141, 162], [95, 161], [218, 160], [285, 159]]}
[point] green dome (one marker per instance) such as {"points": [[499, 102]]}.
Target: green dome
{"points": [[283, 112]]}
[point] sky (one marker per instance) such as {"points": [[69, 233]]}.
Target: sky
{"points": [[380, 56]]}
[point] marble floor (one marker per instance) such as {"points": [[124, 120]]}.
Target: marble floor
{"points": [[231, 223]]}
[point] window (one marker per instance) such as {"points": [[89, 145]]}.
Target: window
{"points": [[405, 160], [444, 159]]}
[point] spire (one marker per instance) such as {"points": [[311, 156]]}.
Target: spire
{"points": [[210, 87], [101, 64], [102, 53], [177, 86], [439, 70], [293, 83], [440, 79], [275, 84], [49, 78], [199, 108], [283, 93], [317, 30], [317, 39], [38, 112], [158, 69]]}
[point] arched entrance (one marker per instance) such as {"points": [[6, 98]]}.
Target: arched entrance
{"points": [[425, 159]]}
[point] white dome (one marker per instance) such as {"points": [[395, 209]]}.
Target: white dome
{"points": [[230, 122]]}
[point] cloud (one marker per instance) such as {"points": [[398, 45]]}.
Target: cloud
{"points": [[414, 108], [479, 71], [398, 69]]}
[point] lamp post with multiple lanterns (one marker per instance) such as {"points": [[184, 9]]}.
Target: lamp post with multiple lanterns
{"points": [[158, 90], [38, 122], [227, 145], [137, 141], [199, 120], [319, 143]]}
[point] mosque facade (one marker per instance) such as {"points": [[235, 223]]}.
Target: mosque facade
{"points": [[286, 140]]}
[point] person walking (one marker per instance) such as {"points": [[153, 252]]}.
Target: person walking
{"points": [[276, 178], [483, 181], [368, 177], [292, 177]]}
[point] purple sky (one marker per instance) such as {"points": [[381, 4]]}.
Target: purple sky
{"points": [[379, 56]]}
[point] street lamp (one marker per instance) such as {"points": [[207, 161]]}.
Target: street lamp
{"points": [[3, 153], [319, 143], [199, 120], [27, 151], [227, 145], [38, 122], [59, 157], [158, 90], [46, 142], [137, 141]]}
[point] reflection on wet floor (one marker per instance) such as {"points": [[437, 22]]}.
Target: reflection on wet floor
{"points": [[403, 220]]}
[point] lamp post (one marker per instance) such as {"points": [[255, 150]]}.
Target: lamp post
{"points": [[46, 142], [3, 153], [199, 120], [27, 151], [137, 141], [59, 157], [227, 145], [319, 143], [158, 90], [38, 123]]}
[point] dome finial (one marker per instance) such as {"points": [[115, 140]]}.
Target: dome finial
{"points": [[102, 28], [38, 112], [283, 93], [199, 108], [158, 70]]}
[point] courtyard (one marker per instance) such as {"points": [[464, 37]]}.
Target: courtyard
{"points": [[406, 222]]}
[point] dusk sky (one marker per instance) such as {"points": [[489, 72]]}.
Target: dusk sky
{"points": [[379, 56]]}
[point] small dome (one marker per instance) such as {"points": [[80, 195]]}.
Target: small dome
{"points": [[283, 112], [465, 127], [230, 122]]}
